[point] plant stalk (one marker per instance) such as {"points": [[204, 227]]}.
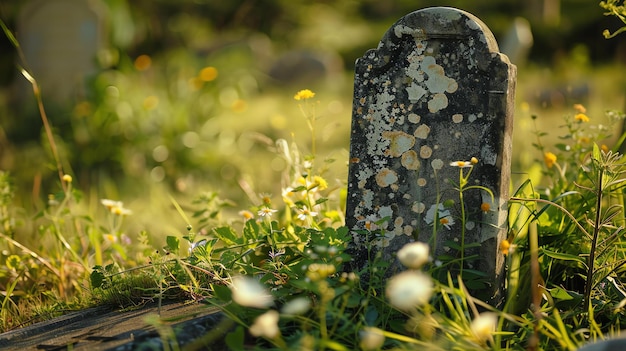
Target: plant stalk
{"points": [[594, 242]]}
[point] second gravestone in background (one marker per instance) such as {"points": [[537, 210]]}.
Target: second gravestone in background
{"points": [[61, 40], [435, 91]]}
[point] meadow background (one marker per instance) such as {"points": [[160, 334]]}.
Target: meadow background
{"points": [[191, 97]]}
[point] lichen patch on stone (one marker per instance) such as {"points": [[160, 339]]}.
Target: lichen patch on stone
{"points": [[422, 131], [410, 160], [399, 142], [438, 102], [415, 92], [386, 177], [414, 118]]}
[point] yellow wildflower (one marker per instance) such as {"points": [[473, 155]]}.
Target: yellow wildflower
{"points": [[111, 238], [580, 108], [13, 262], [549, 158], [474, 160], [247, 215], [67, 178], [208, 74], [142, 62], [304, 94], [604, 148], [485, 207], [319, 271], [505, 245], [320, 182], [266, 198], [581, 117]]}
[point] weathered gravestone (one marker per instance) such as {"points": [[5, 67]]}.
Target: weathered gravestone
{"points": [[435, 91], [517, 41]]}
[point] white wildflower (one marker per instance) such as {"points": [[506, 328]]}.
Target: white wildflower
{"points": [[409, 289], [297, 306], [249, 292], [371, 338], [484, 325], [414, 255], [266, 325]]}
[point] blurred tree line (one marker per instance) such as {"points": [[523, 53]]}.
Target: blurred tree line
{"points": [[141, 26]]}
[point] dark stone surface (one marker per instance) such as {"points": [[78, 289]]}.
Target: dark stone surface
{"points": [[102, 328], [617, 344], [436, 90]]}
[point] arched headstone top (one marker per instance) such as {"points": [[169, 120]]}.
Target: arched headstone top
{"points": [[438, 23]]}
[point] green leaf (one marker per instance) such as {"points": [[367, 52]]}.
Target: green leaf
{"points": [[234, 339], [9, 34], [475, 284], [333, 345], [563, 147], [251, 230], [564, 257], [371, 315], [173, 243], [382, 220], [96, 277], [227, 235], [222, 292], [596, 155], [321, 200], [560, 294], [228, 258]]}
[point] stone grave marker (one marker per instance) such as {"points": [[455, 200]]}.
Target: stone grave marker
{"points": [[60, 40], [435, 91], [517, 41]]}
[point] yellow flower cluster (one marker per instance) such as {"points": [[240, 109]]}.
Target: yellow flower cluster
{"points": [[319, 271], [581, 117], [485, 207], [304, 94], [549, 159]]}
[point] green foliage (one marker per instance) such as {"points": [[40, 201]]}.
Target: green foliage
{"points": [[7, 192], [569, 235], [614, 8]]}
